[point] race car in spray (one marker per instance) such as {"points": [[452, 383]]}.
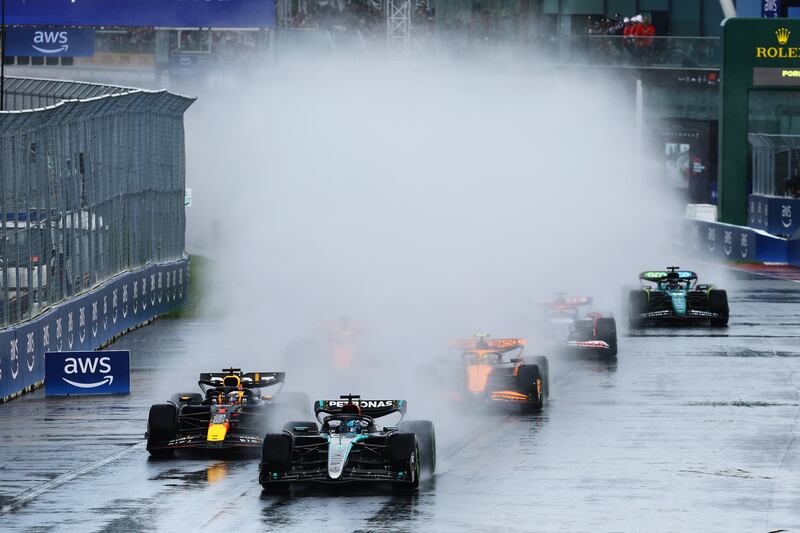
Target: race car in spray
{"points": [[345, 445], [674, 296], [495, 373], [231, 412], [568, 327]]}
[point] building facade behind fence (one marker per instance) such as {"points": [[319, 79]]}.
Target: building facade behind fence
{"points": [[88, 189]]}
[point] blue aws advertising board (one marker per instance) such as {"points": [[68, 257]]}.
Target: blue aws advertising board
{"points": [[88, 321], [161, 13], [76, 373], [770, 8], [50, 42]]}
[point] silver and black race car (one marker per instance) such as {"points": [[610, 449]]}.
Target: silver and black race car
{"points": [[570, 328], [674, 296], [231, 412], [348, 446]]}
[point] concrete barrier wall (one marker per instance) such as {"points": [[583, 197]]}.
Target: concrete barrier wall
{"points": [[89, 321], [774, 214], [734, 243]]}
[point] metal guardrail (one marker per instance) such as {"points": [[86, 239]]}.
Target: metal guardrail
{"points": [[655, 51], [91, 185], [33, 93]]}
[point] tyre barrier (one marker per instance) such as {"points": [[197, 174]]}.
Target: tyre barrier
{"points": [[89, 321]]}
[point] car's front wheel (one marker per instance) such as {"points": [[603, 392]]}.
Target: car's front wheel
{"points": [[404, 457], [718, 303], [606, 331], [426, 438], [161, 428], [276, 458]]}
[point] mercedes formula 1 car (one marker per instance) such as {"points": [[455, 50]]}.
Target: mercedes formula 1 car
{"points": [[231, 412], [571, 329], [494, 378], [348, 446], [674, 296]]}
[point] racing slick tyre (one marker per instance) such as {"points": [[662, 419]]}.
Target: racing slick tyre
{"points": [[186, 398], [301, 426], [276, 456], [161, 428], [637, 304], [426, 438], [544, 368], [404, 456], [718, 303], [527, 377], [606, 331]]}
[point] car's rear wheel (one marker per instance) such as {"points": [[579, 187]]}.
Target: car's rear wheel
{"points": [[426, 438], [637, 303], [276, 458], [186, 398], [161, 428], [718, 303], [531, 383], [296, 426], [606, 331]]}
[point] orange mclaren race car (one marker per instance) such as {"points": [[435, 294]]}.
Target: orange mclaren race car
{"points": [[495, 372]]}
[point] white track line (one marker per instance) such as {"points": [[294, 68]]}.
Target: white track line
{"points": [[27, 496]]}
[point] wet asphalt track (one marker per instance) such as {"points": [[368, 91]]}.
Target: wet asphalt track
{"points": [[690, 430]]}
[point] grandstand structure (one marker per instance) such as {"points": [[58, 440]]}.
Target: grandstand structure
{"points": [[398, 27]]}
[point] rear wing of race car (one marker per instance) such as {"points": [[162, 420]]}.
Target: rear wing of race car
{"points": [[483, 343], [661, 275], [568, 302], [371, 408], [233, 377]]}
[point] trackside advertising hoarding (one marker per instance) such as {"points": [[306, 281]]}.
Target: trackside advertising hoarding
{"points": [[161, 13], [77, 373], [41, 41], [87, 322]]}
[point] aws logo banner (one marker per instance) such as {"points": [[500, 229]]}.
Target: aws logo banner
{"points": [[77, 373], [50, 42]]}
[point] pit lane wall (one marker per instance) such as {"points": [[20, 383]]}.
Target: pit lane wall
{"points": [[89, 321], [777, 215], [734, 243]]}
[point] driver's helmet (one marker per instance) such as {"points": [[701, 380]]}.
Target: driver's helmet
{"points": [[351, 409], [233, 397], [672, 280]]}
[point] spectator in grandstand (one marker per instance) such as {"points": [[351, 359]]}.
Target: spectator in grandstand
{"points": [[617, 25], [645, 32]]}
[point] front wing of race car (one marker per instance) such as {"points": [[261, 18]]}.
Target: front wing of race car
{"points": [[201, 442], [588, 345], [504, 389], [367, 462], [663, 307]]}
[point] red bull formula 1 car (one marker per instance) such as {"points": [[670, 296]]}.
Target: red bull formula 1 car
{"points": [[497, 374], [573, 330], [231, 412], [346, 445]]}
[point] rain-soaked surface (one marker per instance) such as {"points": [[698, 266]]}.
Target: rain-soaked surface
{"points": [[690, 429]]}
